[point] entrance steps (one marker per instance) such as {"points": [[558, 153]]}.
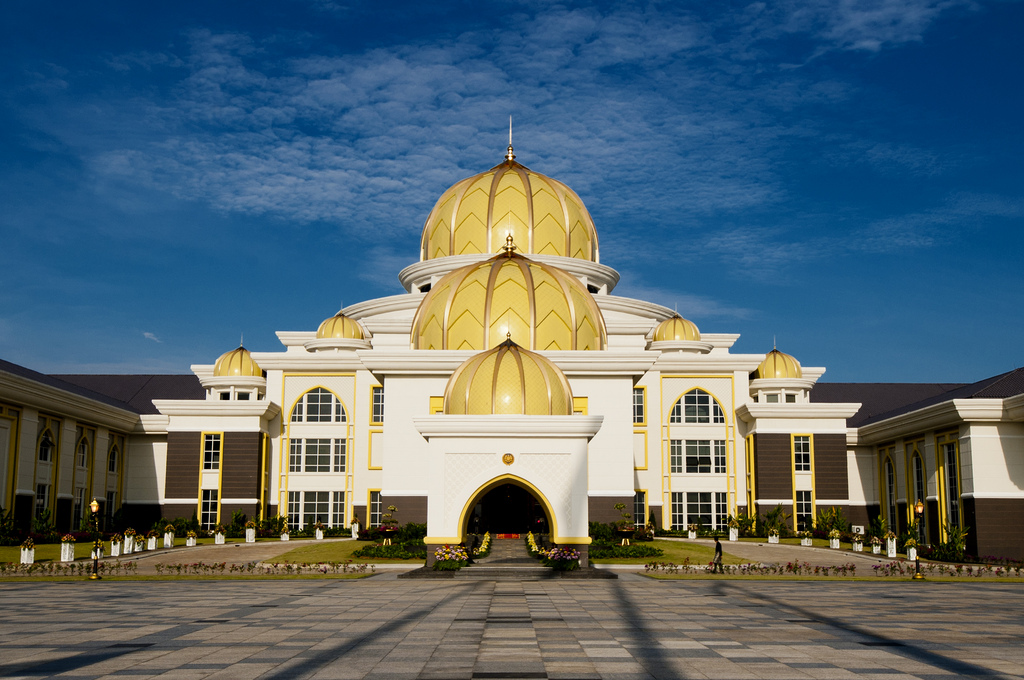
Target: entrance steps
{"points": [[507, 561]]}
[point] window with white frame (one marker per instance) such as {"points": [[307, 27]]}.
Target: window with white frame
{"points": [[306, 508], [46, 447], [42, 499], [804, 511], [375, 509], [696, 406], [79, 510], [317, 455], [949, 459], [721, 511], [112, 460], [678, 510], [318, 406], [675, 456], [211, 452], [639, 407], [890, 495], [697, 456], [640, 508], [377, 414], [338, 509], [82, 453], [802, 453], [111, 507], [920, 495], [208, 509], [710, 509]]}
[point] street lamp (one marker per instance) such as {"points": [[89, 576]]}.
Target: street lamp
{"points": [[97, 544], [919, 511]]}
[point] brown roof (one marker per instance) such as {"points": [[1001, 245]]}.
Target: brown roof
{"points": [[139, 391]]}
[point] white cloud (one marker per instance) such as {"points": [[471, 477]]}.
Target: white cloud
{"points": [[150, 336]]}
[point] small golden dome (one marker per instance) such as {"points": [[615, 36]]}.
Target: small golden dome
{"points": [[543, 215], [508, 380], [340, 326], [676, 328], [237, 363], [477, 306], [778, 364]]}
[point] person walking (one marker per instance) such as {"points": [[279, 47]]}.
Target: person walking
{"points": [[717, 561]]}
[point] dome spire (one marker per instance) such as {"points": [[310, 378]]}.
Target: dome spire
{"points": [[510, 156], [509, 246]]}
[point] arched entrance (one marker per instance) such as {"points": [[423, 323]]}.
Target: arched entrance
{"points": [[507, 508]]}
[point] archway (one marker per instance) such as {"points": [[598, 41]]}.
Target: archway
{"points": [[506, 507]]}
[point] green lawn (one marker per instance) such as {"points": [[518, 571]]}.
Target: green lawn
{"points": [[340, 551], [677, 552]]}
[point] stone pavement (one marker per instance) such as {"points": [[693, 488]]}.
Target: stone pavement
{"points": [[571, 630]]}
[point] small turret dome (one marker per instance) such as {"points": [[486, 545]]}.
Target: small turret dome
{"points": [[778, 364], [675, 329], [237, 363], [475, 215], [508, 380], [340, 326], [477, 306]]}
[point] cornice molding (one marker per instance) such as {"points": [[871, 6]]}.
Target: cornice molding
{"points": [[21, 390], [421, 273], [444, 362], [750, 413], [937, 416], [262, 408], [677, 362], [508, 426]]}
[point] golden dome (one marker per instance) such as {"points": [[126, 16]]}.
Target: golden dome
{"points": [[543, 215], [340, 326], [477, 306], [508, 380], [778, 364], [676, 328], [237, 363]]}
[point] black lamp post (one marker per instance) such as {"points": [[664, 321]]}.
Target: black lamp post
{"points": [[97, 544], [919, 511]]}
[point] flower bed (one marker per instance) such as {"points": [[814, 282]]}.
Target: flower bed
{"points": [[450, 558]]}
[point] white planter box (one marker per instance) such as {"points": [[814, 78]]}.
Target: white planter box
{"points": [[129, 545], [168, 539], [858, 546], [876, 549], [734, 534], [912, 554], [140, 545], [833, 543], [319, 534], [773, 539], [355, 529], [190, 542], [151, 543], [806, 541], [67, 552], [284, 537], [115, 549], [691, 534], [890, 547], [250, 535], [218, 539], [28, 555]]}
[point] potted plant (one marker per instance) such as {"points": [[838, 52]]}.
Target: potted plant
{"points": [[151, 537], [285, 533], [250, 532], [876, 545], [734, 529], [190, 539], [691, 531], [624, 528], [450, 558], [805, 538], [28, 551], [858, 543], [389, 525], [890, 544], [129, 541], [319, 531], [218, 534], [833, 539], [773, 535], [67, 548], [97, 550], [169, 536], [911, 547], [116, 541]]}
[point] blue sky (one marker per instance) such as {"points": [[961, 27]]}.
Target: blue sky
{"points": [[843, 176]]}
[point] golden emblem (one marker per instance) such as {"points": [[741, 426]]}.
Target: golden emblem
{"points": [[508, 459]]}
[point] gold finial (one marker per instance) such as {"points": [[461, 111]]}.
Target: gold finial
{"points": [[510, 156], [509, 246], [241, 339], [508, 335]]}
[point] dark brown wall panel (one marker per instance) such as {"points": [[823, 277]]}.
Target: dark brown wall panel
{"points": [[603, 510], [174, 511], [410, 509], [183, 452], [241, 459], [831, 479], [858, 514], [773, 467], [994, 529]]}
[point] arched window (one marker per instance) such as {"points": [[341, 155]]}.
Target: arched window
{"points": [[112, 460], [890, 495], [696, 406], [82, 453], [46, 447], [919, 493], [318, 406]]}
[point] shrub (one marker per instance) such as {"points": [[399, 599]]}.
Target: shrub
{"points": [[609, 550]]}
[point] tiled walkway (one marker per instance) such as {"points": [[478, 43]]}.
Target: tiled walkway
{"points": [[629, 628]]}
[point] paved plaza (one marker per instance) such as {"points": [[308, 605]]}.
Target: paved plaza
{"points": [[632, 627]]}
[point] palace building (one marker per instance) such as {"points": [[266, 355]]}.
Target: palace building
{"points": [[508, 389]]}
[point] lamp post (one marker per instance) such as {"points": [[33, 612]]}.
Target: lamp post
{"points": [[919, 511], [97, 544]]}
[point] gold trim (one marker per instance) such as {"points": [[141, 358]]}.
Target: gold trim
{"points": [[580, 405], [498, 481], [369, 450], [372, 388], [643, 389], [646, 460]]}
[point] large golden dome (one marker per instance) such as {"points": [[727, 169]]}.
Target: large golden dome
{"points": [[477, 306], [778, 364], [544, 216], [508, 380], [237, 363]]}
